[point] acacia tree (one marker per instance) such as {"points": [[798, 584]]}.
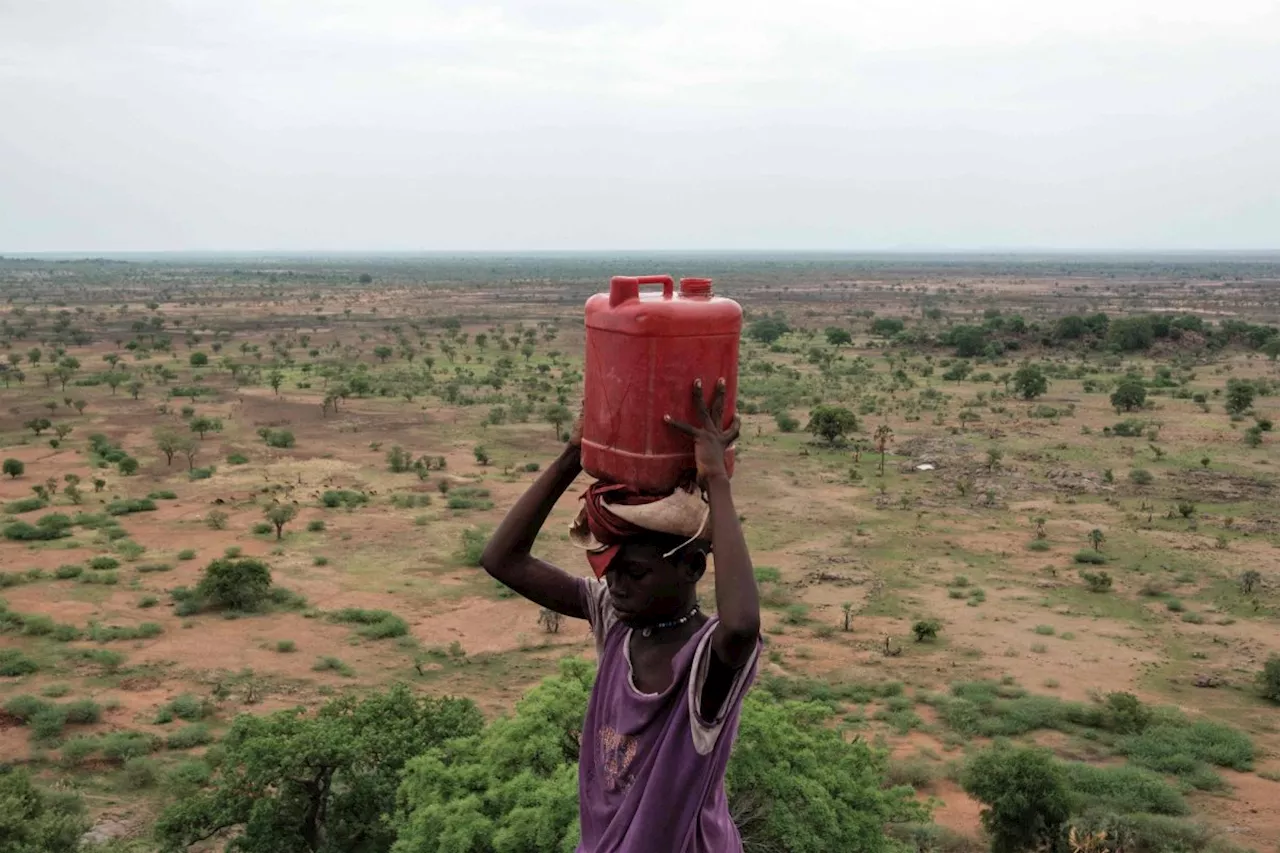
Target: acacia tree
{"points": [[168, 441], [294, 781], [1096, 538], [1030, 381], [14, 468], [1129, 395], [1025, 794], [280, 515], [831, 423], [557, 416]]}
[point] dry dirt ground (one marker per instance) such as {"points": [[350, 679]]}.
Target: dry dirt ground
{"points": [[896, 549]]}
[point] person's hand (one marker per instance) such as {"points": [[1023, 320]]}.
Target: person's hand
{"points": [[710, 440], [575, 433]]}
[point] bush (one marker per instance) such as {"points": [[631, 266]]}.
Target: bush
{"points": [[343, 498], [831, 423], [216, 519], [151, 568], [25, 505], [926, 629], [1096, 581], [315, 525], [47, 723], [13, 467], [473, 542], [377, 624], [237, 459], [13, 663], [1025, 794], [286, 646], [1090, 557], [328, 663], [68, 571], [103, 563], [187, 554], [201, 473], [469, 497], [187, 737], [36, 820], [163, 495], [276, 437], [148, 601], [785, 422], [1124, 789], [262, 528], [24, 707], [139, 773], [83, 712], [1183, 748], [1269, 679], [119, 747], [238, 584]]}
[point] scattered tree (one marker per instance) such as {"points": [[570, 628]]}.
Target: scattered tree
{"points": [[203, 424], [926, 629], [1249, 581], [33, 819], [1096, 538], [15, 468], [235, 583], [1240, 394], [838, 337], [280, 514], [831, 423], [1025, 794], [168, 441], [1128, 396], [1030, 381], [883, 436]]}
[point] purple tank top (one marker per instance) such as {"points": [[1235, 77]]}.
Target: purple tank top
{"points": [[651, 770]]}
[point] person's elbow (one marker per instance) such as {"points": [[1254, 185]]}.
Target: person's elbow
{"points": [[492, 559]]}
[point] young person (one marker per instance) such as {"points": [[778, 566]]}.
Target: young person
{"points": [[664, 709]]}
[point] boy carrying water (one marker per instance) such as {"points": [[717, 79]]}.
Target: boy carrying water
{"points": [[665, 705]]}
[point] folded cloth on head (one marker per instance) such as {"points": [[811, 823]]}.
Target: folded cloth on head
{"points": [[612, 513]]}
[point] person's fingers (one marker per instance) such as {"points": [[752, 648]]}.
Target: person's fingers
{"points": [[735, 429], [717, 403], [681, 426], [700, 403]]}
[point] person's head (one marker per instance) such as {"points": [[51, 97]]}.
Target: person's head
{"points": [[647, 586]]}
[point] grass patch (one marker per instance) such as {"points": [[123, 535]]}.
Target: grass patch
{"points": [[374, 624], [328, 663]]}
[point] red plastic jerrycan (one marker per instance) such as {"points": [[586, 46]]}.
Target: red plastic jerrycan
{"points": [[644, 351]]}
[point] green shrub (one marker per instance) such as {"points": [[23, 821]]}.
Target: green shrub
{"points": [[163, 495], [328, 663], [189, 708], [187, 554], [276, 437], [201, 473], [104, 562], [926, 629], [119, 747], [1097, 581], [315, 525], [99, 578], [237, 459], [47, 723], [1175, 605], [286, 646], [1141, 477], [139, 773], [1038, 545], [68, 571], [767, 574], [1124, 789], [83, 711], [376, 624], [25, 505], [473, 542], [24, 707], [148, 601], [262, 528], [197, 734], [237, 584], [343, 498], [469, 497], [1025, 794], [14, 663], [107, 659], [1184, 750], [148, 568], [1090, 557], [56, 691], [1269, 679], [125, 507], [77, 749]]}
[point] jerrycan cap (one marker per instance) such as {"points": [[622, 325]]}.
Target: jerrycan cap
{"points": [[695, 287]]}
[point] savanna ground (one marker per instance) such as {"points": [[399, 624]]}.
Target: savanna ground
{"points": [[460, 363]]}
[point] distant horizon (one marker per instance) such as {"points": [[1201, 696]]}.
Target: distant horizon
{"points": [[373, 254]]}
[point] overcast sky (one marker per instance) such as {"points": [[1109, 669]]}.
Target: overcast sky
{"points": [[660, 124]]}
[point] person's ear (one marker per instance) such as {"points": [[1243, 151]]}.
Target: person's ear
{"points": [[693, 566]]}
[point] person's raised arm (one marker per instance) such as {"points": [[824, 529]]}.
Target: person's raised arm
{"points": [[507, 555], [737, 602]]}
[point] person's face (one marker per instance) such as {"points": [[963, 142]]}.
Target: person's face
{"points": [[646, 587]]}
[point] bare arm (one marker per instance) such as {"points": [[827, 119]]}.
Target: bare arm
{"points": [[737, 603], [507, 556]]}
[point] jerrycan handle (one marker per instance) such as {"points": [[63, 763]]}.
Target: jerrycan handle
{"points": [[625, 287]]}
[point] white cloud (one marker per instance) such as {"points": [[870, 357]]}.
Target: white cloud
{"points": [[573, 124]]}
